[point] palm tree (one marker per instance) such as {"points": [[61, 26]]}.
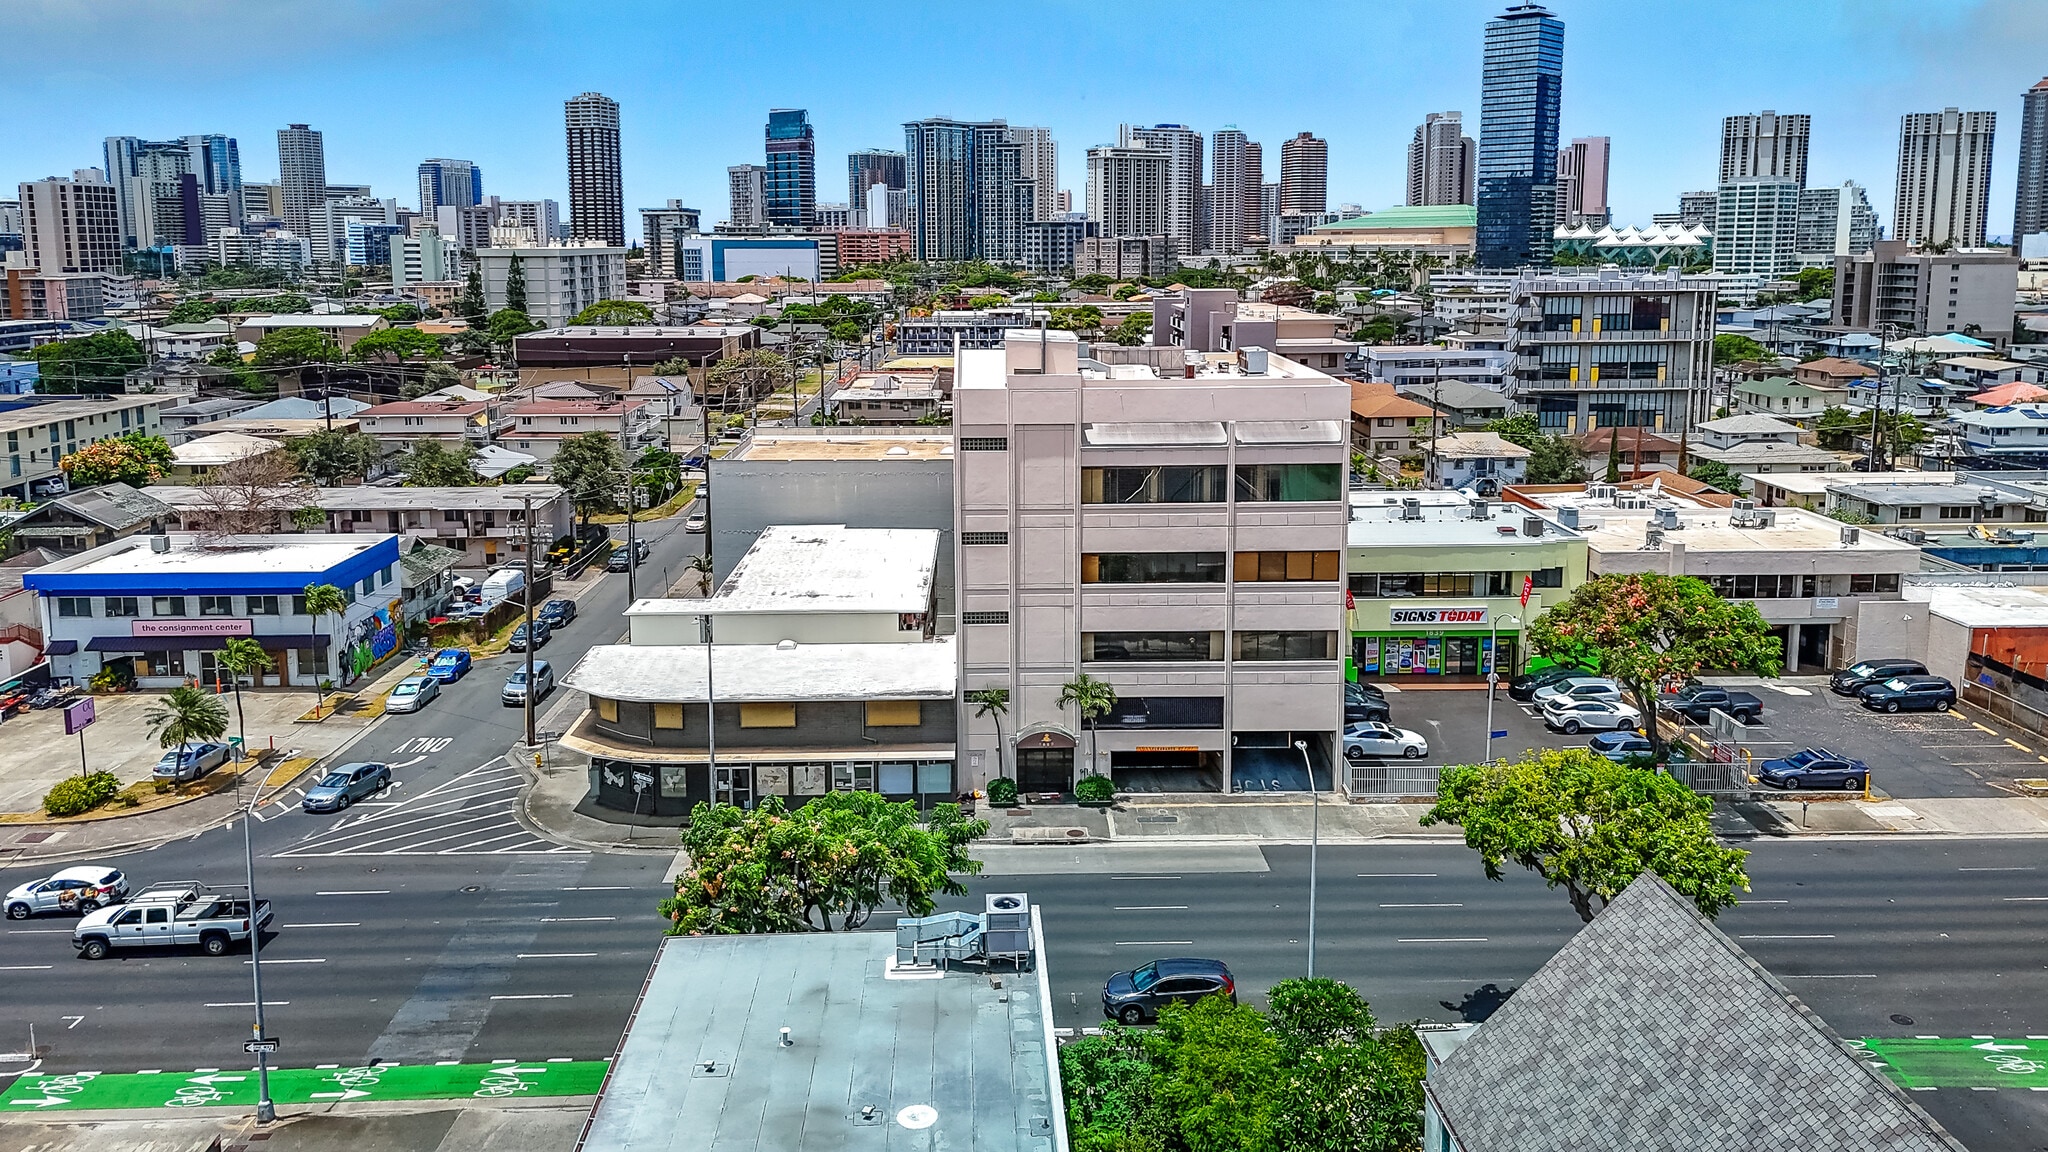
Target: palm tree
{"points": [[241, 657], [186, 715], [701, 565], [325, 600], [1093, 699], [994, 702]]}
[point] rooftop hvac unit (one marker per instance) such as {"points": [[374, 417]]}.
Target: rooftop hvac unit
{"points": [[1532, 525], [1851, 534], [1008, 917], [1667, 519], [1481, 510], [1742, 505], [1764, 517], [159, 544], [1569, 517], [1411, 507], [1600, 491], [1653, 538]]}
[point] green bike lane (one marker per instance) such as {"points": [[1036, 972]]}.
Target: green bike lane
{"points": [[1926, 1063], [237, 1087]]}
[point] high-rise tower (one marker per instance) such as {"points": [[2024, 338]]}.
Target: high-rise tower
{"points": [[791, 182], [301, 176], [1304, 174], [1520, 97], [597, 203], [1944, 177]]}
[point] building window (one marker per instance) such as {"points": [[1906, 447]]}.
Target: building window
{"points": [[607, 710], [74, 606], [1873, 583], [216, 605], [123, 606], [1958, 511], [1285, 646], [668, 716], [312, 661], [160, 664], [1547, 578], [298, 606], [1912, 513], [984, 537], [1755, 587], [984, 443], [1290, 482], [769, 715], [1152, 568], [1151, 645], [1162, 484], [167, 606], [984, 617], [853, 777], [262, 605], [1264, 567], [894, 714]]}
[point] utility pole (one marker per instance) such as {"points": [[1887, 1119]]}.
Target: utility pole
{"points": [[526, 503], [1315, 835], [266, 1109]]}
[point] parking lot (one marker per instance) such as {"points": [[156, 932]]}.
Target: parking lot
{"points": [[1454, 722]]}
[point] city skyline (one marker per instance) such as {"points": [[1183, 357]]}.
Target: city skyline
{"points": [[681, 132]]}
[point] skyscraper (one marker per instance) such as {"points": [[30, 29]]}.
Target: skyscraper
{"points": [[1944, 177], [1834, 222], [597, 204], [866, 169], [791, 182], [2030, 203], [746, 190], [1582, 181], [1234, 175], [152, 194], [1185, 202], [1254, 191], [453, 183], [301, 176], [1127, 190], [1442, 161], [1304, 174], [968, 197], [71, 225], [1520, 97], [1765, 146], [1756, 226], [1038, 158]]}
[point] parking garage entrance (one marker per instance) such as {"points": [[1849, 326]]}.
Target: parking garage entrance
{"points": [[1269, 761], [1166, 768]]}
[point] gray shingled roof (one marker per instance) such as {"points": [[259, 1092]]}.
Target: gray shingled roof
{"points": [[1652, 1030], [114, 505]]}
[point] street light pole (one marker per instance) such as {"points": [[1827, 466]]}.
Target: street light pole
{"points": [[526, 503], [266, 1110], [1493, 675], [1315, 835]]}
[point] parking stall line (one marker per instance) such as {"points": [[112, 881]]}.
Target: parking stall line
{"points": [[357, 892]]}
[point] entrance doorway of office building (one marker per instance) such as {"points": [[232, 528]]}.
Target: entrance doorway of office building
{"points": [[1045, 762]]}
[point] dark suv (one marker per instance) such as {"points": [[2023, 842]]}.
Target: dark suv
{"points": [[1853, 679], [1137, 996], [1908, 694], [1365, 702]]}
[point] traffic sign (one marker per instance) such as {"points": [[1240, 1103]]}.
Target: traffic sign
{"points": [[1500, 734], [267, 1044]]}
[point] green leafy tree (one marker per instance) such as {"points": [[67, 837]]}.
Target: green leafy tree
{"points": [[1092, 699], [1519, 429], [515, 285], [1132, 330], [241, 657], [995, 704], [1815, 283], [507, 324], [1378, 330], [193, 312], [1084, 318], [135, 459], [1221, 1066], [325, 600], [1614, 455], [311, 518], [94, 363], [332, 456], [1717, 475], [399, 313], [470, 305], [436, 377], [592, 471], [431, 464], [700, 569], [990, 300], [1838, 429], [1646, 630], [657, 473], [1555, 460], [295, 347], [186, 716], [389, 345], [837, 858], [1093, 282], [1590, 826], [288, 303], [614, 314], [1734, 348]]}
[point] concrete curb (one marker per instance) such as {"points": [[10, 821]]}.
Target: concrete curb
{"points": [[520, 756]]}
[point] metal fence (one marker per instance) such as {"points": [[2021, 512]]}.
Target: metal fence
{"points": [[1712, 777], [1391, 781]]}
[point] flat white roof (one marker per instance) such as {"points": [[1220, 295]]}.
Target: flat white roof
{"points": [[189, 554], [1819, 483], [1978, 607], [674, 673], [1708, 530], [312, 320], [822, 568]]}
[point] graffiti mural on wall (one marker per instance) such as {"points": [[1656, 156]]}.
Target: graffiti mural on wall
{"points": [[370, 639]]}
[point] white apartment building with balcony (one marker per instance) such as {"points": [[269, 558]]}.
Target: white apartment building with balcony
{"points": [[1179, 534]]}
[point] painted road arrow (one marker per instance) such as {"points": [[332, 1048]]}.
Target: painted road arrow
{"points": [[298, 1085], [1958, 1062]]}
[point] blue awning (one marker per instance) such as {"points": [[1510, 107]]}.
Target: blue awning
{"points": [[196, 643], [61, 648]]}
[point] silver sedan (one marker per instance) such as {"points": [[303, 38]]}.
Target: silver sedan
{"points": [[412, 694]]}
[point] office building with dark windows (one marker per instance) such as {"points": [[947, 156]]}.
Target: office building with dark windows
{"points": [[1518, 115]]}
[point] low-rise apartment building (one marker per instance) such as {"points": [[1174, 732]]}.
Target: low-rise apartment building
{"points": [[1384, 423], [1215, 320], [38, 435], [341, 328], [1441, 585], [1417, 366], [1967, 291], [1178, 535], [540, 427], [1612, 348], [813, 669], [396, 425], [486, 524]]}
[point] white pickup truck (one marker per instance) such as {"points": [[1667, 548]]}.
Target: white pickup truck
{"points": [[171, 915]]}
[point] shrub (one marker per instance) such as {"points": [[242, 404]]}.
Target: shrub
{"points": [[1002, 792], [1095, 788], [75, 794]]}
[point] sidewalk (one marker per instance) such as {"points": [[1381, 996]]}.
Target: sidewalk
{"points": [[537, 1125], [558, 805]]}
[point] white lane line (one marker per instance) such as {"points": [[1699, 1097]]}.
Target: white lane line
{"points": [[25, 967], [38, 931], [1154, 943], [343, 845], [1397, 875], [357, 892], [1422, 905], [1441, 940], [1849, 976], [320, 961], [539, 996], [248, 1004], [553, 955], [328, 924], [2025, 868], [574, 919], [1766, 901], [1151, 908], [1144, 877], [601, 888], [1814, 936], [2025, 899]]}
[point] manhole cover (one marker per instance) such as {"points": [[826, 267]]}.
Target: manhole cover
{"points": [[474, 888], [1902, 1020]]}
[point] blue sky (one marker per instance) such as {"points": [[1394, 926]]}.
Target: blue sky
{"points": [[393, 82]]}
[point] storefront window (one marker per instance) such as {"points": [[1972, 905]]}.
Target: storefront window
{"points": [[935, 779], [848, 777], [312, 661], [897, 779], [160, 664]]}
